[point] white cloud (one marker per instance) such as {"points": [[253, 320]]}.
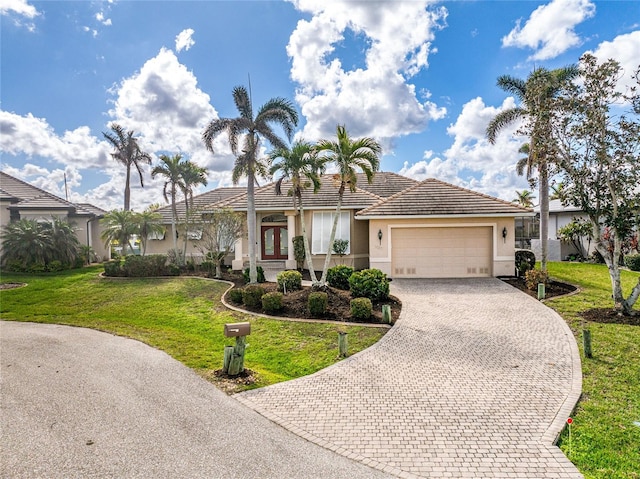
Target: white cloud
{"points": [[624, 49], [18, 7], [376, 100], [101, 18], [33, 136], [184, 40], [550, 28], [471, 161]]}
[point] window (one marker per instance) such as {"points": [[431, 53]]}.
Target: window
{"points": [[322, 223]]}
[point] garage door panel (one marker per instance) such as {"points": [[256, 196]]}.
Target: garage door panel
{"points": [[441, 252]]}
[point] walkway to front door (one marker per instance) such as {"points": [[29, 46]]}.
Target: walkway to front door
{"points": [[275, 242]]}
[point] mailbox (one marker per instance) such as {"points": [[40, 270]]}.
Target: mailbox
{"points": [[232, 330]]}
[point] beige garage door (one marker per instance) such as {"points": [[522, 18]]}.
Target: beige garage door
{"points": [[463, 252]]}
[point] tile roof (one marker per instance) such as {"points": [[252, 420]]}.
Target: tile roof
{"points": [[385, 183], [433, 197], [26, 196], [326, 197], [201, 201]]}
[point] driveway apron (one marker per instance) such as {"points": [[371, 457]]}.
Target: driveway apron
{"points": [[476, 379]]}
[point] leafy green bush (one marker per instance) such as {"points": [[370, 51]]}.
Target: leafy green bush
{"points": [[55, 265], [235, 295], [208, 267], [145, 266], [338, 276], [369, 283], [261, 278], [525, 260], [252, 295], [113, 268], [361, 308], [290, 280], [340, 247], [317, 303], [272, 302], [535, 276], [632, 261], [37, 268]]}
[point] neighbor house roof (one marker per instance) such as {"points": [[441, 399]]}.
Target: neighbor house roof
{"points": [[435, 198], [556, 206], [202, 201], [22, 195], [325, 197]]}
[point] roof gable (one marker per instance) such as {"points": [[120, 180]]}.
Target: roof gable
{"points": [[433, 197]]}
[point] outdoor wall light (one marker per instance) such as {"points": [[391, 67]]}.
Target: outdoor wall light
{"points": [[380, 236], [504, 234]]}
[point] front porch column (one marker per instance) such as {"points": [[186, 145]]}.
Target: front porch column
{"points": [[238, 262], [291, 263]]}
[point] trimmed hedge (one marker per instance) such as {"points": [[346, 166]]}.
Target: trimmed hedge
{"points": [[272, 302], [235, 295], [317, 303], [252, 295], [261, 278], [290, 280], [369, 283], [338, 276], [361, 308], [632, 261]]}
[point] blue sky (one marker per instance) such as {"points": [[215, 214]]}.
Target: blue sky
{"points": [[418, 76]]}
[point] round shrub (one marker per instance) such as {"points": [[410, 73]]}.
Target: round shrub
{"points": [[338, 276], [235, 295], [252, 296], [260, 271], [369, 283], [112, 268], [272, 302], [361, 308], [290, 280], [525, 260], [317, 303], [632, 261], [535, 276]]}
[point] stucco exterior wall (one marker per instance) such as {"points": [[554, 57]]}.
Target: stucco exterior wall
{"points": [[503, 254]]}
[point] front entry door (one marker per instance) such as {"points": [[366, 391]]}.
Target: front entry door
{"points": [[275, 242]]}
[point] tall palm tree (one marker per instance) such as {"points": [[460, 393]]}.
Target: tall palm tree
{"points": [[347, 155], [250, 129], [171, 169], [536, 96], [128, 152], [120, 226], [524, 198], [301, 165], [149, 223], [192, 175]]}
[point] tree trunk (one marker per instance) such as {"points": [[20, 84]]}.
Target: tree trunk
{"points": [[332, 238], [251, 225], [174, 215], [544, 216], [307, 249], [127, 189]]}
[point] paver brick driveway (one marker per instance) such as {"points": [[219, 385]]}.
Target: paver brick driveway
{"points": [[475, 380]]}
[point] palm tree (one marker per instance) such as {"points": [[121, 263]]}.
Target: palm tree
{"points": [[347, 155], [276, 111], [524, 198], [128, 152], [192, 175], [25, 243], [120, 226], [65, 246], [301, 165], [558, 192], [536, 96], [171, 169], [149, 223]]}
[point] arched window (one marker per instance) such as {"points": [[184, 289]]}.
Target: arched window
{"points": [[277, 218]]}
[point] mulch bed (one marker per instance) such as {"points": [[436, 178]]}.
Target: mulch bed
{"points": [[554, 288], [295, 302]]}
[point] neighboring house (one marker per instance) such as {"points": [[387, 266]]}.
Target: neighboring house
{"points": [[20, 200], [403, 227], [559, 216]]}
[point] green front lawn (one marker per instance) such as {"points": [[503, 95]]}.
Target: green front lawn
{"points": [[181, 316], [605, 439]]}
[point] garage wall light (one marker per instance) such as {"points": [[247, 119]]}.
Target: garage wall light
{"points": [[504, 234], [380, 236]]}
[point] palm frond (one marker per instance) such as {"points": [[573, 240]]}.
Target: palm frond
{"points": [[502, 120]]}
